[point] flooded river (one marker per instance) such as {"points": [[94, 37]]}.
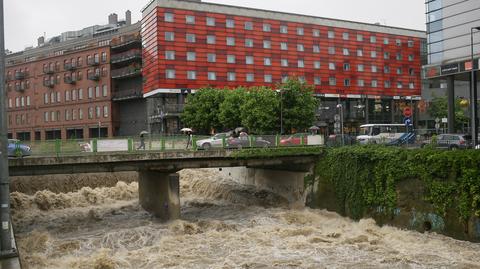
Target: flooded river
{"points": [[223, 225]]}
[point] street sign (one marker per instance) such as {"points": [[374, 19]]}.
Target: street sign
{"points": [[444, 120], [437, 120], [437, 126], [336, 117], [407, 112], [407, 121]]}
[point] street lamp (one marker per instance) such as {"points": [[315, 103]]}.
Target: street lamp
{"points": [[281, 111], [339, 106], [473, 92]]}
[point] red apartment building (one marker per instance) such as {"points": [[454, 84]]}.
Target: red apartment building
{"points": [[374, 70]]}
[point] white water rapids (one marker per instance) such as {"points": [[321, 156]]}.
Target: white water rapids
{"points": [[223, 225]]}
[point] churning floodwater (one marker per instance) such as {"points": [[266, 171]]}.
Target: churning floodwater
{"points": [[223, 225]]}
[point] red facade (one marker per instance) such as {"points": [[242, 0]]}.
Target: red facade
{"points": [[403, 55]]}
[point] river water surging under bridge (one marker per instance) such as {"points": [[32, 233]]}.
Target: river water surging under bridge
{"points": [[223, 225]]}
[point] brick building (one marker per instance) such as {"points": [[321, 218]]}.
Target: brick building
{"points": [[374, 70], [63, 88]]}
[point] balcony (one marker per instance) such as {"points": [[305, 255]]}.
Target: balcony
{"points": [[20, 75], [126, 56], [167, 111], [69, 80], [127, 72], [125, 42], [94, 76], [20, 87], [93, 62], [127, 94], [49, 83], [70, 66]]}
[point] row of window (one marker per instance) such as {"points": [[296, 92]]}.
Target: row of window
{"points": [[19, 101], [20, 119], [74, 114], [268, 78], [75, 94], [267, 61], [283, 29]]}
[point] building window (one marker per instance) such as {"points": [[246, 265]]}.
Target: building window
{"points": [[169, 55], [80, 114], [231, 59], [212, 76], [316, 49], [411, 71], [170, 73], [360, 68], [374, 69], [190, 19], [386, 69], [230, 23], [345, 36], [346, 66], [231, 76], [373, 39], [331, 66], [169, 17], [399, 71], [267, 44], [374, 83], [360, 53], [10, 103], [410, 43], [284, 62], [373, 54], [316, 64], [210, 21], [211, 39], [191, 56], [284, 78], [28, 100], [410, 57], [191, 38], [411, 85], [386, 41], [46, 116], [249, 43], [248, 59], [97, 112], [104, 57], [283, 46], [300, 47], [346, 52], [230, 41], [191, 75], [52, 97], [331, 34], [248, 25], [300, 64], [268, 78], [360, 83], [283, 29], [346, 82], [267, 61], [386, 55], [74, 114], [67, 114], [105, 111], [332, 81], [267, 27], [317, 81], [331, 50], [104, 90], [399, 85], [74, 95], [169, 36], [398, 42], [250, 77], [300, 31], [399, 56], [316, 33], [211, 57], [80, 94], [90, 92], [359, 38]]}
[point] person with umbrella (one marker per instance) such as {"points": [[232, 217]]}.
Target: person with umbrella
{"points": [[188, 132], [142, 140]]}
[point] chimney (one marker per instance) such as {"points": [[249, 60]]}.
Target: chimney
{"points": [[41, 41], [128, 17], [113, 19]]}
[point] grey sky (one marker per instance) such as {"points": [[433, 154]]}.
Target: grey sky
{"points": [[26, 20]]}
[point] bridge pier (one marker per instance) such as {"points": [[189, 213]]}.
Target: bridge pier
{"points": [[159, 194], [288, 184]]}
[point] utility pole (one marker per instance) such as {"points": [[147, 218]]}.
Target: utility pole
{"points": [[6, 246]]}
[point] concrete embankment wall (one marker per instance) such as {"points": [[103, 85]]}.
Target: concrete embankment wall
{"points": [[423, 190]]}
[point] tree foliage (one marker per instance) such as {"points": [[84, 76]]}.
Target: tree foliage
{"points": [[258, 112], [298, 105], [438, 108], [230, 108], [202, 110]]}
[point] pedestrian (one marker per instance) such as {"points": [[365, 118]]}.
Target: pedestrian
{"points": [[190, 138], [142, 142]]}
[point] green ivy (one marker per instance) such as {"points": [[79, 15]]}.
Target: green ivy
{"points": [[365, 177]]}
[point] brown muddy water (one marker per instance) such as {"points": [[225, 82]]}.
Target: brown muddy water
{"points": [[223, 225]]}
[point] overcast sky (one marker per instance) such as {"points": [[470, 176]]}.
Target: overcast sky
{"points": [[26, 20]]}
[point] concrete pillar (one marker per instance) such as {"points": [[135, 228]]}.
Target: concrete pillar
{"points": [[451, 104], [392, 110], [287, 184], [159, 194]]}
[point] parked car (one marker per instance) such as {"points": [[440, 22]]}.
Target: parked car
{"points": [[215, 141], [335, 140], [451, 141], [243, 141], [294, 139], [17, 149]]}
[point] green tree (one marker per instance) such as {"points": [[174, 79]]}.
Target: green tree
{"points": [[230, 108], [259, 111], [298, 105], [438, 108], [202, 110]]}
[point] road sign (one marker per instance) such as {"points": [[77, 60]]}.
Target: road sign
{"points": [[437, 120], [336, 117], [407, 112], [444, 120], [437, 126], [407, 121]]}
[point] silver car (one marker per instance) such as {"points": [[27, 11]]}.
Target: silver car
{"points": [[215, 141], [453, 141]]}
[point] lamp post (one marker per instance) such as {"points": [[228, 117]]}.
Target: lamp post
{"points": [[281, 111], [473, 92], [339, 106]]}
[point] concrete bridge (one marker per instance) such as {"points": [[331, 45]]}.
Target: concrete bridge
{"points": [[158, 177]]}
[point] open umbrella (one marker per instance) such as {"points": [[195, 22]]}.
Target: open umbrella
{"points": [[185, 130], [314, 128], [143, 133]]}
